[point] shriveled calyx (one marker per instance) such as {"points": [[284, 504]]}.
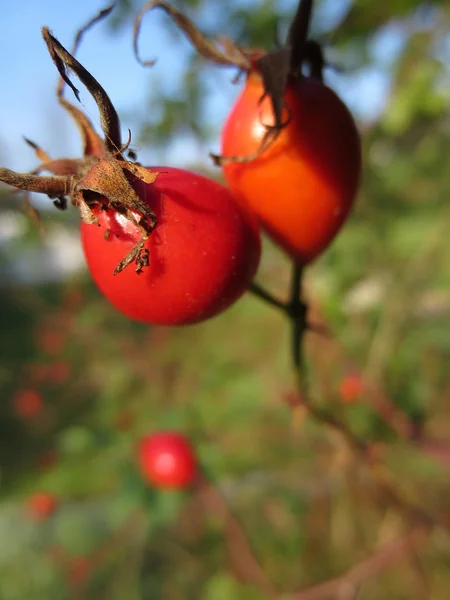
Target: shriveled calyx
{"points": [[277, 68], [99, 178]]}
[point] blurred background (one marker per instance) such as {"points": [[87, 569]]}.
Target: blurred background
{"points": [[80, 384]]}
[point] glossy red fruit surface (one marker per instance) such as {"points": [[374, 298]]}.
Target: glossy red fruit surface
{"points": [[204, 251], [167, 460], [303, 186]]}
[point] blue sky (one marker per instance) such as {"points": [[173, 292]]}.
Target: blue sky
{"points": [[27, 102], [28, 105]]}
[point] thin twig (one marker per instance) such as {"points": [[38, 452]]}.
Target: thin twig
{"points": [[239, 546], [298, 31], [296, 311], [266, 296], [378, 400], [381, 559], [231, 55], [298, 317]]}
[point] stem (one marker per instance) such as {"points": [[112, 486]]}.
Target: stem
{"points": [[360, 448], [298, 313], [381, 559], [241, 551], [296, 310], [298, 32], [266, 296]]}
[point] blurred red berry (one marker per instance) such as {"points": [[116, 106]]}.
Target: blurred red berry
{"points": [[41, 505], [27, 403], [167, 460], [79, 570], [73, 298], [292, 399], [50, 341], [36, 372], [351, 388], [47, 460], [58, 372]]}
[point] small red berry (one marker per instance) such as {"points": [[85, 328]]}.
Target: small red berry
{"points": [[50, 341], [73, 298], [27, 403], [41, 505], [79, 570], [36, 372], [167, 460], [351, 388], [58, 372], [47, 460]]}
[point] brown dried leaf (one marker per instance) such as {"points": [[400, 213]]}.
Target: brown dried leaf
{"points": [[275, 69], [231, 56], [40, 153], [109, 119], [86, 212], [133, 256], [102, 14], [93, 145], [140, 172], [269, 137]]}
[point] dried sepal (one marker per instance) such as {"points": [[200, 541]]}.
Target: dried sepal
{"points": [[140, 172], [268, 139], [58, 185], [30, 211], [102, 176], [40, 153], [230, 55], [106, 178], [298, 33], [85, 210], [138, 255], [102, 14], [109, 119], [276, 67], [93, 145]]}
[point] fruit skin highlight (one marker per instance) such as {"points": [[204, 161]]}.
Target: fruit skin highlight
{"points": [[167, 460]]}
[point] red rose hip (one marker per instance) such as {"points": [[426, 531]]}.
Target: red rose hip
{"points": [[203, 252], [167, 460]]}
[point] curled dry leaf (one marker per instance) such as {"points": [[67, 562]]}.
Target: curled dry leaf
{"points": [[276, 68], [102, 176], [228, 55]]}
